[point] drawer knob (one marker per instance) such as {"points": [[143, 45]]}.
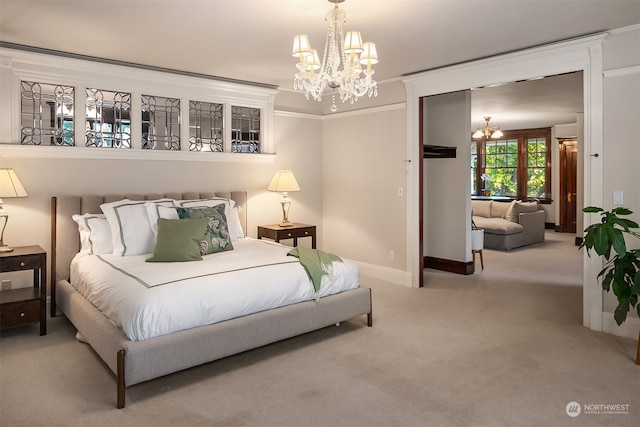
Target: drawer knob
{"points": [[22, 264], [21, 314], [306, 233], [289, 234]]}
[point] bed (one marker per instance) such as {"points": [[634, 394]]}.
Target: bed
{"points": [[138, 358]]}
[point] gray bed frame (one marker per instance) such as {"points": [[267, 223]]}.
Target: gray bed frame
{"points": [[134, 362]]}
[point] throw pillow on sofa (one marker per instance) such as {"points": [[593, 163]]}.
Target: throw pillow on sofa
{"points": [[518, 207], [481, 208]]}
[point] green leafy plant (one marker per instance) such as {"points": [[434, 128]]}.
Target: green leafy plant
{"points": [[621, 272]]}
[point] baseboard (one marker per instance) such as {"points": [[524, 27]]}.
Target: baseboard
{"points": [[550, 226], [448, 265], [397, 277], [629, 329]]}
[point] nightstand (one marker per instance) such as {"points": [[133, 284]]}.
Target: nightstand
{"points": [[277, 233], [23, 306]]}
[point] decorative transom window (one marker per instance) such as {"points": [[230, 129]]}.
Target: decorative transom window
{"points": [[160, 123], [108, 119], [206, 126], [245, 130], [46, 114], [516, 166]]}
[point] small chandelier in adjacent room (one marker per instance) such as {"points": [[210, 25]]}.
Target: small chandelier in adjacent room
{"points": [[352, 81], [487, 131]]}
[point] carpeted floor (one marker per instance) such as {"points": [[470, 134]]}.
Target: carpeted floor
{"points": [[502, 347]]}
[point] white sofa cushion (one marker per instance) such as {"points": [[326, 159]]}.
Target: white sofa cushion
{"points": [[497, 225]]}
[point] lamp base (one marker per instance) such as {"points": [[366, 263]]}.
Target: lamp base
{"points": [[286, 224], [6, 248]]}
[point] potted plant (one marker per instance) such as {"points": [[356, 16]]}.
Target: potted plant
{"points": [[621, 272]]}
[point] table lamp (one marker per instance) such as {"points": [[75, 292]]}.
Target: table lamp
{"points": [[284, 181], [10, 186]]}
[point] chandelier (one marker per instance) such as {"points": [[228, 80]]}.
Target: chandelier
{"points": [[487, 131], [351, 81]]}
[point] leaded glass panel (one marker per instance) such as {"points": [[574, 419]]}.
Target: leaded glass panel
{"points": [[47, 114], [160, 123], [206, 126], [245, 130], [108, 120]]}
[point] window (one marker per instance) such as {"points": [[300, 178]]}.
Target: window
{"points": [[245, 130], [46, 114], [206, 126], [82, 103], [160, 123], [516, 166], [108, 119]]}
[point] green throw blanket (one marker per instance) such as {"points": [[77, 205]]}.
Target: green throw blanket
{"points": [[316, 263]]}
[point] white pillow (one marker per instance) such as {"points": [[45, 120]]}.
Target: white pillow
{"points": [[159, 210], [95, 233], [130, 228], [231, 212], [215, 201], [235, 226]]}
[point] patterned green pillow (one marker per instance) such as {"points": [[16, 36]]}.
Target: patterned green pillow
{"points": [[216, 237]]}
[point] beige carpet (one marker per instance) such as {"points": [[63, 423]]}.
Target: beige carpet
{"points": [[503, 347]]}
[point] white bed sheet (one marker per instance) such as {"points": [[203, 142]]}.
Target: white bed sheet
{"points": [[146, 300]]}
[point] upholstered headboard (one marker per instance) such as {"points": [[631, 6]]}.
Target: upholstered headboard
{"points": [[65, 238]]}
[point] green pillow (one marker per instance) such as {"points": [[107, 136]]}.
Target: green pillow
{"points": [[216, 237], [178, 240]]}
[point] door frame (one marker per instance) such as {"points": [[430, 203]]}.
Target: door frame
{"points": [[582, 54]]}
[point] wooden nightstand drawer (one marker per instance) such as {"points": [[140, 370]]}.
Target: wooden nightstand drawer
{"points": [[24, 262], [22, 306], [295, 231], [290, 234], [20, 313]]}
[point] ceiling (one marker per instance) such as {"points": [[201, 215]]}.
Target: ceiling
{"points": [[250, 40]]}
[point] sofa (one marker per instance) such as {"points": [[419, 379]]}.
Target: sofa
{"points": [[508, 225]]}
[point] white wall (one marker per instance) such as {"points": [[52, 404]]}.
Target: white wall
{"points": [[447, 185], [364, 217], [621, 153]]}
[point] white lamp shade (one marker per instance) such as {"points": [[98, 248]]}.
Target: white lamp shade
{"points": [[10, 185], [283, 180], [497, 134], [369, 54], [312, 62], [353, 42], [301, 46]]}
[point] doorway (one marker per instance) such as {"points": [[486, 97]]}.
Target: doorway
{"points": [[584, 55], [568, 147]]}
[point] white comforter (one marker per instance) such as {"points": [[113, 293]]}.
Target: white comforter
{"points": [[152, 299]]}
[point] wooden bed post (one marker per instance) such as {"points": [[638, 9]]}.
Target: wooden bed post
{"points": [[54, 210], [120, 380]]}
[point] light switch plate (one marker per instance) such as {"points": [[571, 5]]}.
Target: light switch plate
{"points": [[618, 198]]}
